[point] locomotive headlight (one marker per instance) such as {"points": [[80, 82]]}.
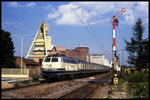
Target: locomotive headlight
{"points": [[50, 66]]}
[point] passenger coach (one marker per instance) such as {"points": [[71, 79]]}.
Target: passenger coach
{"points": [[60, 66]]}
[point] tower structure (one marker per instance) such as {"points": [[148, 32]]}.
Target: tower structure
{"points": [[41, 44]]}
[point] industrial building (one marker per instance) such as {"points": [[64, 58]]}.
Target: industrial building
{"points": [[41, 47], [100, 59], [96, 58], [34, 67], [78, 53]]}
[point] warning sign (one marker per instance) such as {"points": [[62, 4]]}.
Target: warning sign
{"points": [[115, 79]]}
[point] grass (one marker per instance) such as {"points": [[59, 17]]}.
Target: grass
{"points": [[119, 85], [35, 78], [138, 86]]}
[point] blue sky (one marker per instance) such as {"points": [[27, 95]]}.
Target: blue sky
{"points": [[66, 29]]}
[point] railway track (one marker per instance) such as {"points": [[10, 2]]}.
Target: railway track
{"points": [[80, 93], [56, 90], [86, 90]]}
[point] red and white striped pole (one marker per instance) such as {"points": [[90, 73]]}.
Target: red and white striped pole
{"points": [[114, 38], [115, 79], [114, 45]]}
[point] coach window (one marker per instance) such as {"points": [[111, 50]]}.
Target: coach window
{"points": [[54, 59], [64, 60]]}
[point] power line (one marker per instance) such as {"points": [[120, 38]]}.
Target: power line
{"points": [[31, 26], [83, 23], [15, 28], [91, 27], [19, 20], [86, 28], [20, 31]]}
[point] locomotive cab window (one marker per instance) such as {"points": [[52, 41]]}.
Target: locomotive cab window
{"points": [[54, 59], [47, 59]]}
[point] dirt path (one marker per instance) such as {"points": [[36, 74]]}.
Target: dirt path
{"points": [[118, 92]]}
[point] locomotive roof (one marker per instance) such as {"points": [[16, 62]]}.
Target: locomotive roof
{"points": [[80, 61], [56, 55], [63, 56]]}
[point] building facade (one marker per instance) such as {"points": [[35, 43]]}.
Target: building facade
{"points": [[99, 59], [78, 53], [34, 67], [96, 58], [41, 47]]}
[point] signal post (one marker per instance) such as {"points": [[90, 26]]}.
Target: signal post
{"points": [[115, 21]]}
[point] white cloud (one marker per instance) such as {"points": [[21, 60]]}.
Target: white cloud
{"points": [[142, 10], [88, 12], [68, 19], [64, 15], [129, 16], [14, 4], [98, 12], [47, 7], [141, 6], [31, 4], [52, 15]]}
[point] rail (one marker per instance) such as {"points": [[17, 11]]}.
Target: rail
{"points": [[84, 91]]}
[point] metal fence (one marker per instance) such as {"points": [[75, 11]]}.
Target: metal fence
{"points": [[15, 73]]}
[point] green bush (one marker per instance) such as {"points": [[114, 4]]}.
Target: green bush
{"points": [[17, 84], [35, 78], [139, 85], [139, 77], [26, 82]]}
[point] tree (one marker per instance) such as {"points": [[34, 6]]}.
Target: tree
{"points": [[146, 52], [137, 48], [7, 50]]}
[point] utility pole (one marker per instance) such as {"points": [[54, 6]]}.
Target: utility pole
{"points": [[123, 56], [21, 36], [114, 21]]}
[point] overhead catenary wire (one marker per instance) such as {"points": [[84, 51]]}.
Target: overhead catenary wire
{"points": [[20, 21], [15, 28], [18, 30], [101, 46], [33, 27], [84, 25], [29, 25], [91, 28]]}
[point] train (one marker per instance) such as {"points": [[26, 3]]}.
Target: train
{"points": [[59, 66]]}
